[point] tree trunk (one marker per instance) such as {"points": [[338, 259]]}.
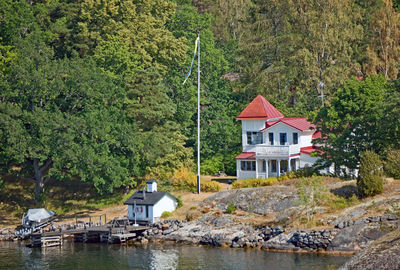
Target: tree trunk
{"points": [[38, 177], [39, 185]]}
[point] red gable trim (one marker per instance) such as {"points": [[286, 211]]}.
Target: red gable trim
{"points": [[317, 135], [295, 155], [246, 155], [260, 108], [299, 123], [309, 149]]}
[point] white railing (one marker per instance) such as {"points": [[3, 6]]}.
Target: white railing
{"points": [[272, 150]]}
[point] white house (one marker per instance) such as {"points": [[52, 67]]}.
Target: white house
{"points": [[273, 144], [148, 205]]}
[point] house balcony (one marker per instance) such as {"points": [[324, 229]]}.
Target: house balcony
{"points": [[266, 150]]}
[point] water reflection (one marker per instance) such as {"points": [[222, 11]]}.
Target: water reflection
{"points": [[156, 257], [165, 259]]}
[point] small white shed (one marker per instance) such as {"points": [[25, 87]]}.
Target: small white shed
{"points": [[148, 205]]}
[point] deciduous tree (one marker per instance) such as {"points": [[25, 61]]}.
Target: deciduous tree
{"points": [[64, 118]]}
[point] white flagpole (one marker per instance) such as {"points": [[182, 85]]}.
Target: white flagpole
{"points": [[198, 116]]}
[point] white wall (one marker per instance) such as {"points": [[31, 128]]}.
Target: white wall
{"points": [[307, 160], [281, 128], [152, 187], [140, 212], [167, 203], [306, 137], [251, 125], [243, 174]]}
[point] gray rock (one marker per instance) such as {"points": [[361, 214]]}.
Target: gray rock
{"points": [[374, 219], [258, 200], [382, 254]]}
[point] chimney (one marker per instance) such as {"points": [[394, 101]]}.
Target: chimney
{"points": [[144, 194], [151, 185]]}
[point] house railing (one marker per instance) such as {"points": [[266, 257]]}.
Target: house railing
{"points": [[272, 150]]}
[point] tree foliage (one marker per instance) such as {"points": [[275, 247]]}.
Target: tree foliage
{"points": [[352, 122], [383, 52], [392, 163], [94, 88], [63, 118], [296, 51], [370, 180]]}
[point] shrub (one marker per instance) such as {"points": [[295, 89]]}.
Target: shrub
{"points": [[311, 194], [303, 172], [254, 182], [370, 180], [166, 214], [180, 203], [211, 186], [231, 208], [337, 203], [392, 164], [184, 179]]}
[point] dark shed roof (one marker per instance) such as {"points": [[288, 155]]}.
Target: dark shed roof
{"points": [[151, 198]]}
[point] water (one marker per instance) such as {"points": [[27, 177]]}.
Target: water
{"points": [[157, 256]]}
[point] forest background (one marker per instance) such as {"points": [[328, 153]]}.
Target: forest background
{"points": [[93, 89]]}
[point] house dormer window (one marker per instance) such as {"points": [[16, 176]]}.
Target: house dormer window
{"points": [[254, 137], [295, 138], [283, 138]]}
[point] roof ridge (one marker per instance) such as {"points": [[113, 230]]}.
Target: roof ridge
{"points": [[260, 108]]}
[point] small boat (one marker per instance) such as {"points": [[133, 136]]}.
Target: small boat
{"points": [[33, 221]]}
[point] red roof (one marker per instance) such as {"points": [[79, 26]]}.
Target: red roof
{"points": [[299, 123], [246, 155], [260, 108], [309, 149]]}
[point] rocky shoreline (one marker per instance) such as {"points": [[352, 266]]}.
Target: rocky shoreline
{"points": [[6, 234], [345, 237]]}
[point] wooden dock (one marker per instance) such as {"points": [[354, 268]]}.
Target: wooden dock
{"points": [[96, 234]]}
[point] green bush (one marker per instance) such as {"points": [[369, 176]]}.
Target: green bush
{"points": [[180, 203], [166, 214], [370, 178], [392, 164], [231, 208]]}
